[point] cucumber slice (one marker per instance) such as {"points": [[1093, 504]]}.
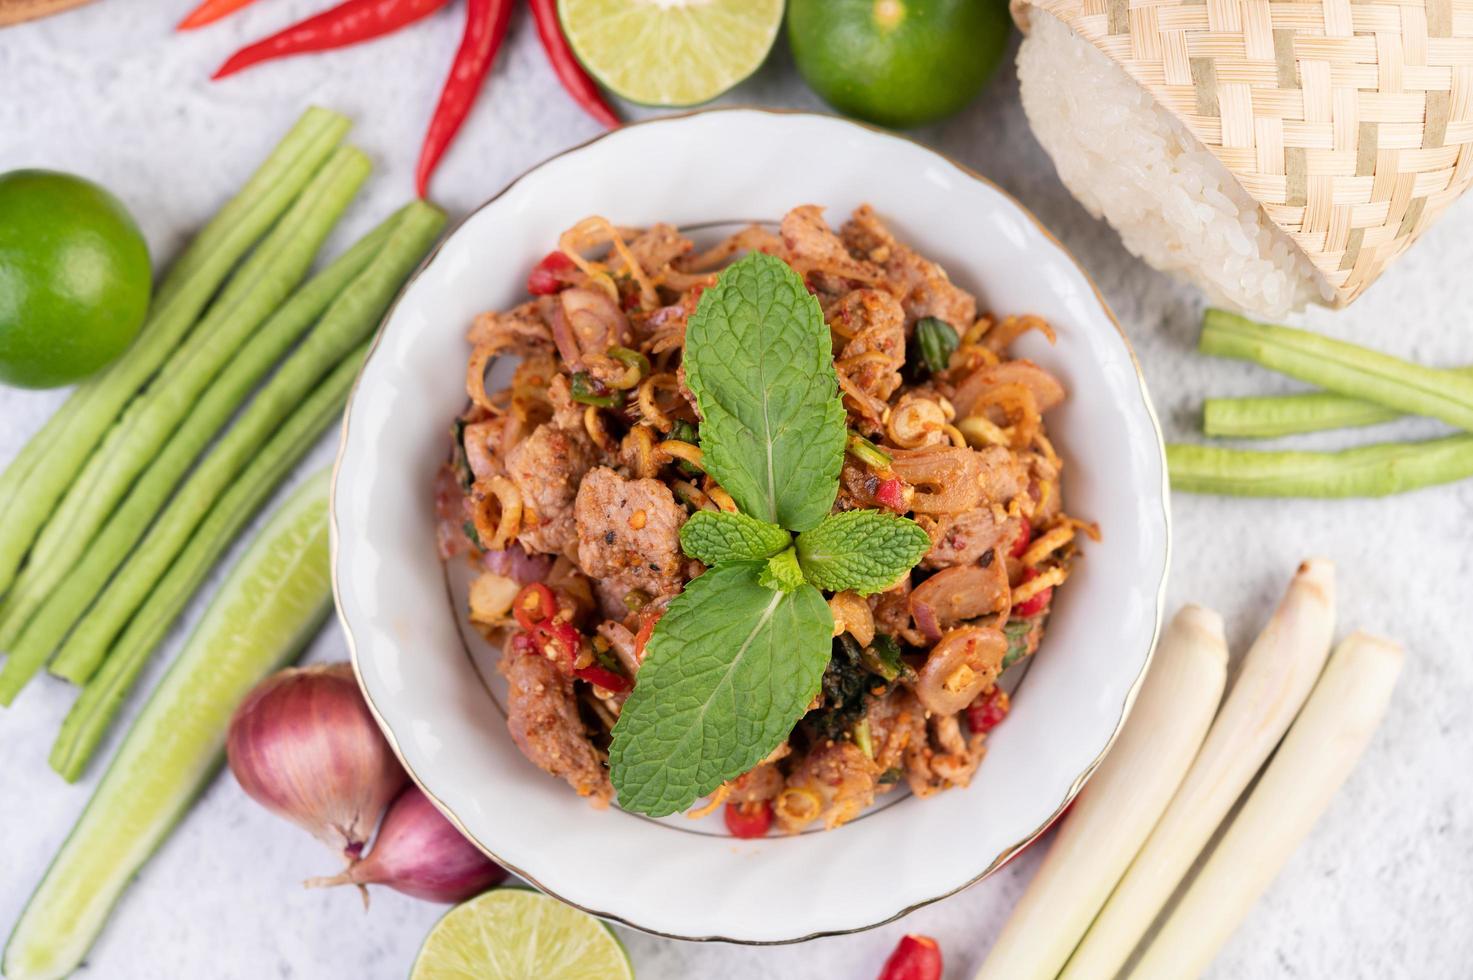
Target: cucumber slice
{"points": [[268, 608]]}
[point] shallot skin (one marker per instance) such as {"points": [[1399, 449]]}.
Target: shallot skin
{"points": [[420, 853], [304, 745]]}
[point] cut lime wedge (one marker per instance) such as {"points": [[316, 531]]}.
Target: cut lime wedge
{"points": [[671, 52], [514, 933]]}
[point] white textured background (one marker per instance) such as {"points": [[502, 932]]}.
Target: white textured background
{"points": [[1383, 889]]}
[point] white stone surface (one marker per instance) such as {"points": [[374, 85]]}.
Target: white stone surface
{"points": [[1384, 887]]}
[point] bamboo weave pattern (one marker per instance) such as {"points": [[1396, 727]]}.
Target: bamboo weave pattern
{"points": [[1350, 122]]}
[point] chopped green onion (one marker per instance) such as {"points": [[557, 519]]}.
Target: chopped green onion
{"points": [[470, 532], [862, 738], [868, 453], [882, 658], [683, 431], [462, 466], [589, 391], [637, 367], [1017, 633], [935, 340]]}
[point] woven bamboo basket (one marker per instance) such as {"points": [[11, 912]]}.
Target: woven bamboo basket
{"points": [[1350, 123]]}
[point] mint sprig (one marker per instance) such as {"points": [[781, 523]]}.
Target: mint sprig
{"points": [[713, 537], [739, 655], [863, 550], [728, 672], [759, 359]]}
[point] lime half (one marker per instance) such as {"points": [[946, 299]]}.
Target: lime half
{"points": [[671, 52], [513, 934]]}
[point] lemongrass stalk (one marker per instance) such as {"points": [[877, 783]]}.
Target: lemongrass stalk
{"points": [[349, 321], [1276, 676], [1121, 803], [1341, 367], [36, 479], [1318, 755], [254, 292], [92, 714], [1365, 471], [127, 525]]}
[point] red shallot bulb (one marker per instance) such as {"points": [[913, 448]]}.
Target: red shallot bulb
{"points": [[304, 746], [420, 853]]}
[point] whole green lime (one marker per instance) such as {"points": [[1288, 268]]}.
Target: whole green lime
{"points": [[74, 278], [898, 63]]}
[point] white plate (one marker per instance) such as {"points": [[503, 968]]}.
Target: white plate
{"points": [[671, 877]]}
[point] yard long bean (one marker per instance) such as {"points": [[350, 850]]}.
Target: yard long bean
{"points": [[367, 298], [94, 710], [1342, 368], [127, 525], [254, 292], [33, 483], [348, 321], [1270, 416], [1366, 471]]}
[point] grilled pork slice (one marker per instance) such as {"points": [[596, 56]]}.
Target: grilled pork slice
{"points": [[542, 714]]}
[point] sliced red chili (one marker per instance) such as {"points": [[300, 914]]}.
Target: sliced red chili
{"points": [[551, 275], [603, 677], [891, 494], [748, 820], [915, 958], [988, 711], [1036, 604], [533, 606], [1020, 543], [564, 639], [646, 629]]}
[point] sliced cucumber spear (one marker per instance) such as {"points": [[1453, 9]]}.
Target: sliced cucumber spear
{"points": [[271, 604]]}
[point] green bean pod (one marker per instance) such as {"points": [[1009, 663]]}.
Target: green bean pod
{"points": [[36, 479], [256, 289], [1366, 471]]}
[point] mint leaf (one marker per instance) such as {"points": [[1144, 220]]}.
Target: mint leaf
{"points": [[760, 362], [728, 672], [863, 550], [715, 536], [782, 573]]}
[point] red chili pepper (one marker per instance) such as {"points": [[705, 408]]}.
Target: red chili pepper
{"points": [[211, 11], [530, 615], [748, 820], [646, 629], [1036, 604], [347, 23], [916, 958], [988, 711], [485, 28], [1020, 543], [566, 638], [891, 493], [565, 64], [603, 677], [550, 275]]}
